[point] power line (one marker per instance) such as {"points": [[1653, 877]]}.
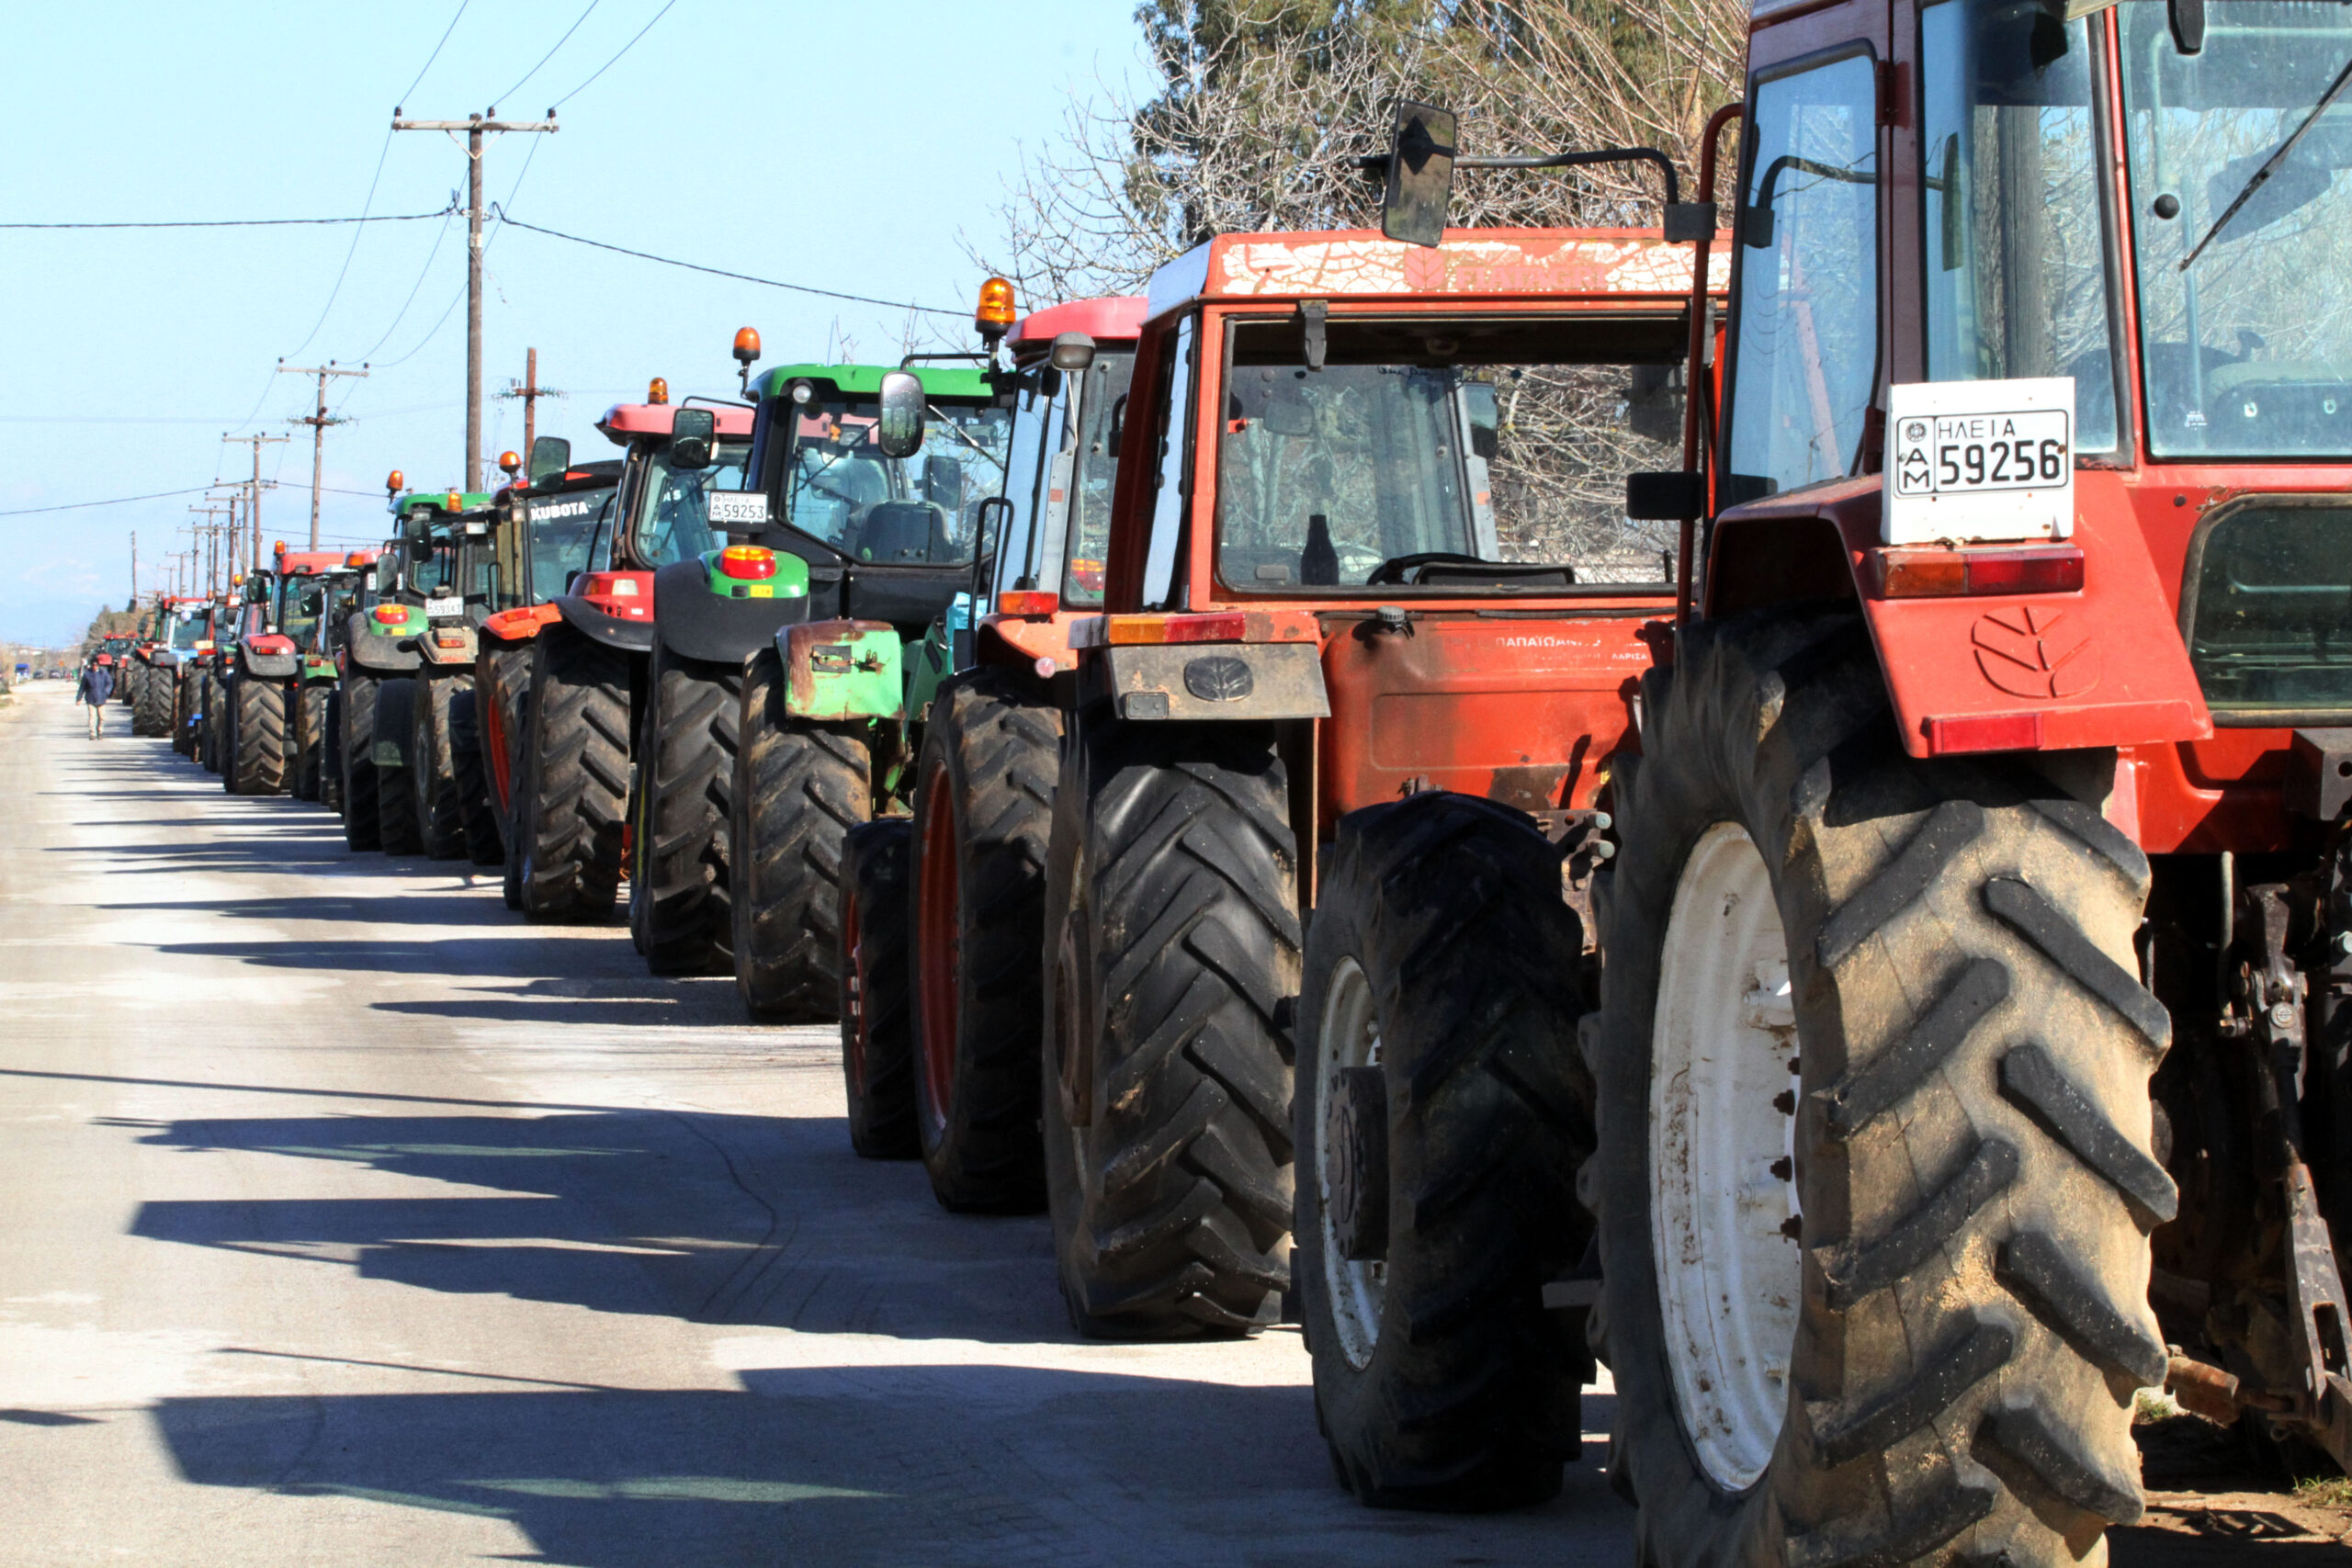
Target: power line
{"points": [[437, 52], [613, 62], [246, 223], [720, 272], [440, 234], [117, 500], [550, 53]]}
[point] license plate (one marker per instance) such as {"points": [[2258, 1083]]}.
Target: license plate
{"points": [[439, 607], [737, 508], [1969, 460]]}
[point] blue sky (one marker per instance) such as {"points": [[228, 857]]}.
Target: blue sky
{"points": [[853, 148]]}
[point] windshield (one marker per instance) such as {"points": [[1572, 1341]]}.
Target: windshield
{"points": [[1423, 451], [917, 511], [673, 505], [2244, 357], [186, 632], [2016, 259], [563, 530], [302, 599]]}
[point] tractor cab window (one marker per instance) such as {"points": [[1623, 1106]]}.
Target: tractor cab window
{"points": [[1064, 458], [2270, 608], [564, 529], [1041, 409], [186, 632], [2243, 353], [1804, 358], [301, 602], [1087, 470], [922, 509], [2016, 259], [1447, 454], [674, 505]]}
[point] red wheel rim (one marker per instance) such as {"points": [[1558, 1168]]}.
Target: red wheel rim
{"points": [[938, 958], [493, 740], [853, 1004]]}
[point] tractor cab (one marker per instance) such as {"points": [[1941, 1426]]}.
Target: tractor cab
{"points": [[445, 576], [548, 528], [661, 511]]}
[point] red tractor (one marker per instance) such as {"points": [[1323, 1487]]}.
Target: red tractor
{"points": [[1972, 1050], [547, 529], [589, 667]]}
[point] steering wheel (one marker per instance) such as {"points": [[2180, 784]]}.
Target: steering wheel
{"points": [[1395, 568]]}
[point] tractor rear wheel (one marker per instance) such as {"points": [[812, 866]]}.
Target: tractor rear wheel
{"points": [[798, 789], [685, 770], [484, 844], [331, 752], [433, 766], [575, 799], [1175, 932], [1873, 1185], [208, 722], [504, 676], [184, 709], [310, 738], [1443, 1112], [394, 748], [255, 758], [984, 804], [877, 1047], [150, 712], [362, 828]]}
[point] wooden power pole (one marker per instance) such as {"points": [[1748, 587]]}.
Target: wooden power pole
{"points": [[318, 422], [530, 391], [475, 127], [254, 488]]}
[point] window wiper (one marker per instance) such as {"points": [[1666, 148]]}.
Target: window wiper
{"points": [[2270, 165], [957, 431]]}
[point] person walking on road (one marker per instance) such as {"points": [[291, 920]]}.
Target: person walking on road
{"points": [[97, 685]]}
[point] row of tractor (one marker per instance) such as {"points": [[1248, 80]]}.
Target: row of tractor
{"points": [[1762, 800]]}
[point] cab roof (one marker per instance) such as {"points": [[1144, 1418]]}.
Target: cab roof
{"points": [[624, 423], [602, 475], [309, 563], [1482, 264], [866, 380], [1116, 319], [438, 500]]}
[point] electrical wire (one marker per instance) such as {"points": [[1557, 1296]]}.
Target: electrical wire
{"points": [[245, 223], [437, 52], [117, 500], [423, 273], [613, 62], [357, 229], [720, 272], [549, 54]]}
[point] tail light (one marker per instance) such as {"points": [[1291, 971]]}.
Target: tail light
{"points": [[1027, 602], [1938, 574], [390, 615], [751, 563]]}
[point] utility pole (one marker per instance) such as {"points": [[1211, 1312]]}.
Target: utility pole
{"points": [[317, 424], [202, 534], [475, 127], [254, 488], [134, 566], [530, 391]]}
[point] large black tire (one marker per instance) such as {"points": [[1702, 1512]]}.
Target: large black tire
{"points": [[184, 704], [1174, 934], [878, 1045], [984, 804], [800, 788], [575, 784], [685, 771], [1443, 963], [208, 722], [310, 718], [151, 711], [1971, 1128], [433, 766], [484, 846], [331, 752], [394, 748], [503, 678], [255, 755], [355, 704]]}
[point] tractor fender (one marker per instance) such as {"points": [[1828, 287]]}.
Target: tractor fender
{"points": [[368, 650], [2103, 666], [161, 658], [695, 623], [613, 631], [268, 664], [840, 670], [1206, 680]]}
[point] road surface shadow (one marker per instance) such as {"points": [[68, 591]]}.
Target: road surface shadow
{"points": [[766, 1220], [902, 1464]]}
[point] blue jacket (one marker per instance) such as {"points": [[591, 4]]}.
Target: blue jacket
{"points": [[97, 685]]}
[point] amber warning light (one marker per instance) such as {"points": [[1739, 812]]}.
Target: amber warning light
{"points": [[393, 480], [509, 462], [994, 317], [657, 390]]}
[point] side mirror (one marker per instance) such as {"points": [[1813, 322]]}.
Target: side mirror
{"points": [[1072, 352], [1421, 175], [692, 433], [550, 455], [2187, 20], [899, 429], [1675, 496]]}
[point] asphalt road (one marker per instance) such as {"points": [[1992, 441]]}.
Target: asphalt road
{"points": [[345, 1219]]}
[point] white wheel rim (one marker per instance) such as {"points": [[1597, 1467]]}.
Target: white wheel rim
{"points": [[1722, 1155], [1349, 1037]]}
